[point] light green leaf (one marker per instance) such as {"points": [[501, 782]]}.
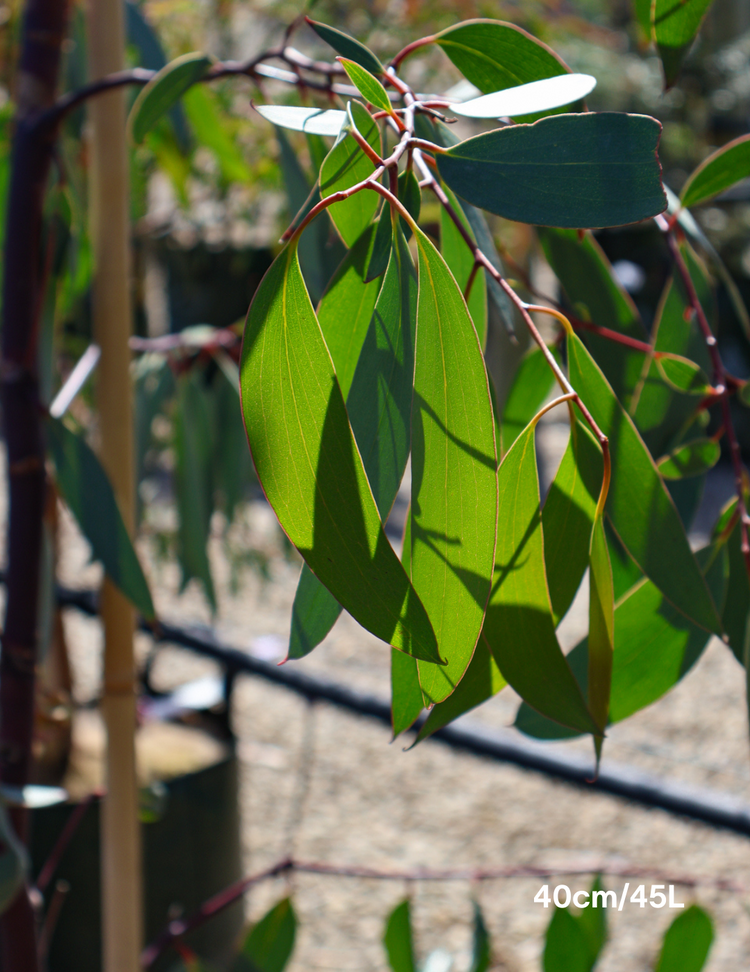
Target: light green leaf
{"points": [[566, 947], [593, 923], [454, 487], [588, 170], [368, 86], [347, 46], [315, 121], [528, 99], [639, 506], [269, 945], [481, 949], [519, 629], [567, 518], [601, 638], [687, 942], [460, 261], [346, 165], [163, 91], [309, 466], [691, 459], [675, 24], [88, 493], [406, 695], [211, 129], [682, 374], [531, 386], [398, 939], [722, 169]]}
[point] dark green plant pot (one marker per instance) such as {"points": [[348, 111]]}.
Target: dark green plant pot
{"points": [[191, 852]]}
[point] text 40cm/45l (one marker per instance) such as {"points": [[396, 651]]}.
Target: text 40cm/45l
{"points": [[562, 897]]}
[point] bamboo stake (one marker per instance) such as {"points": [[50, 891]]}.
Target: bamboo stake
{"points": [[122, 911]]}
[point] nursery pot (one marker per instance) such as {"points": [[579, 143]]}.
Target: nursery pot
{"points": [[191, 850]]}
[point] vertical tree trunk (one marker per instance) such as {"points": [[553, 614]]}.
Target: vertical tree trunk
{"points": [[43, 33], [122, 910]]}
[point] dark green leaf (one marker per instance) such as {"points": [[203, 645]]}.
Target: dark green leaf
{"points": [[682, 374], [381, 250], [675, 24], [346, 165], [87, 491], [232, 467], [398, 939], [744, 394], [531, 386], [270, 944], [601, 628], [691, 459], [736, 612], [566, 947], [309, 466], [639, 506], [211, 129], [519, 629], [725, 167], [347, 46], [687, 942], [460, 261], [480, 953], [625, 572], [407, 700], [594, 169], [163, 91], [454, 486], [411, 196], [314, 613], [368, 86]]}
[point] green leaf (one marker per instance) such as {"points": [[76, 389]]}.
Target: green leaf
{"points": [[194, 448], [519, 629], [692, 459], [687, 942], [411, 196], [309, 466], [368, 86], [381, 250], [593, 923], [744, 394], [346, 165], [210, 129], [398, 939], [682, 374], [454, 486], [531, 386], [596, 296], [675, 24], [722, 169], [270, 943], [406, 695], [625, 572], [528, 99], [481, 949], [163, 91], [589, 170], [88, 493], [736, 611], [638, 504], [460, 261], [314, 612], [566, 947], [347, 46], [315, 121], [494, 55], [568, 516], [601, 628]]}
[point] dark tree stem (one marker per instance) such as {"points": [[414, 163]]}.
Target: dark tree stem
{"points": [[42, 36]]}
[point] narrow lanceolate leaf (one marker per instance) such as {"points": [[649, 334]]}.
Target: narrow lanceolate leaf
{"points": [[316, 121], [368, 86], [347, 46], [397, 939], [87, 491], [568, 516], [519, 629], [674, 26], [381, 249], [494, 55], [411, 196], [407, 700], [687, 942], [309, 466], [725, 167], [346, 165], [566, 948], [638, 504], [460, 261], [691, 459], [682, 374], [601, 628], [269, 944], [481, 949], [588, 170], [528, 99], [735, 614], [454, 487], [163, 91], [531, 386]]}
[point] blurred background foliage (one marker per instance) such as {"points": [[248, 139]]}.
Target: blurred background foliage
{"points": [[212, 189]]}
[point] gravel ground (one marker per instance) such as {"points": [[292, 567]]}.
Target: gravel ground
{"points": [[330, 787]]}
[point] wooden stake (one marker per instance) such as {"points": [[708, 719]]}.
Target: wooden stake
{"points": [[122, 910]]}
